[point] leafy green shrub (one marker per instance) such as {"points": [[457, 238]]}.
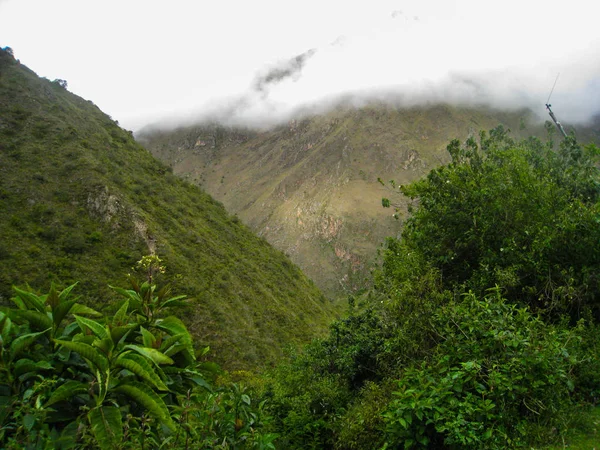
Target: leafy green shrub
{"points": [[224, 417], [515, 214], [306, 401], [587, 371], [498, 374], [99, 382], [362, 426]]}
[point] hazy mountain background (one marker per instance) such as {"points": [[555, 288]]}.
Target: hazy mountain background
{"points": [[310, 187]]}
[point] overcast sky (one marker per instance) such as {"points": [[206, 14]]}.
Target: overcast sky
{"points": [[143, 61]]}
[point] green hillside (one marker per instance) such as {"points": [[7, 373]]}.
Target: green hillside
{"points": [[80, 200]]}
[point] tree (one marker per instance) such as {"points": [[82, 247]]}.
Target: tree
{"points": [[517, 215], [62, 83]]}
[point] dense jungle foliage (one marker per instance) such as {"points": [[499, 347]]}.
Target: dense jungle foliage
{"points": [[481, 331]]}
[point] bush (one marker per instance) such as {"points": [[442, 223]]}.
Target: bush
{"points": [[514, 214], [70, 378], [498, 374]]}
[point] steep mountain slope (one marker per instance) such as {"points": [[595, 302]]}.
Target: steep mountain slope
{"points": [[310, 187], [80, 200]]}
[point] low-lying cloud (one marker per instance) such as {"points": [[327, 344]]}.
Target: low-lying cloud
{"points": [[259, 63], [508, 62]]}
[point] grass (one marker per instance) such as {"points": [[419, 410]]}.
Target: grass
{"points": [[585, 436]]}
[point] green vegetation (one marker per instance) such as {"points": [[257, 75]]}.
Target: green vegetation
{"points": [[130, 381], [482, 329], [82, 201], [520, 216]]}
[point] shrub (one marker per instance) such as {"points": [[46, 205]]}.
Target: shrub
{"points": [[70, 378], [518, 215], [498, 373]]}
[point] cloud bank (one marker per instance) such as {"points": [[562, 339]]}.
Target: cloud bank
{"points": [[507, 59], [258, 64]]}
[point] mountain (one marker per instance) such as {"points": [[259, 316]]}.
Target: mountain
{"points": [[310, 187], [82, 201]]}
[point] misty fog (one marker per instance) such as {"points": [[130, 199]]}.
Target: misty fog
{"points": [[145, 62]]}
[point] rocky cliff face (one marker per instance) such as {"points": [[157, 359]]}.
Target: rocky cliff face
{"points": [[310, 187]]}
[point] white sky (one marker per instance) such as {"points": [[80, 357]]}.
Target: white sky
{"points": [[143, 60]]}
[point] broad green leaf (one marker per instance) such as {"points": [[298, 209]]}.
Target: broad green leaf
{"points": [[66, 291], [28, 422], [85, 338], [203, 351], [78, 308], [174, 301], [107, 426], [134, 284], [171, 341], [151, 353], [139, 365], [176, 327], [200, 381], [70, 329], [52, 297], [6, 327], [25, 365], [66, 391], [22, 342], [173, 325], [117, 333], [92, 325], [38, 320], [175, 348], [103, 377], [120, 317], [31, 300], [149, 399], [20, 303], [147, 338], [61, 310], [133, 296], [88, 352], [106, 345]]}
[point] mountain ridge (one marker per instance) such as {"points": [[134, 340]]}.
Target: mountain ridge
{"points": [[310, 186]]}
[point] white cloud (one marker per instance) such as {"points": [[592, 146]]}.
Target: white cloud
{"points": [[145, 60]]}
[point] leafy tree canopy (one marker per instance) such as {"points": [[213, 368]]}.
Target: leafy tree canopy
{"points": [[515, 214]]}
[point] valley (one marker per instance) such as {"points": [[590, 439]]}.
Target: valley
{"points": [[310, 187], [219, 287]]}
